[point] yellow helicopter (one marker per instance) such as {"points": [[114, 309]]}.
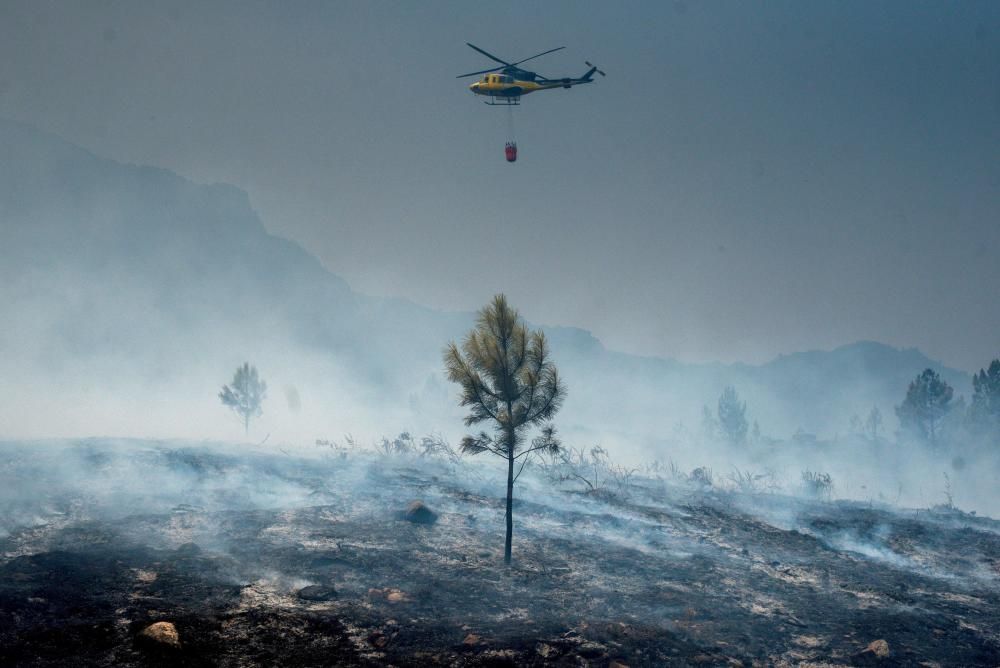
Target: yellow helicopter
{"points": [[506, 84]]}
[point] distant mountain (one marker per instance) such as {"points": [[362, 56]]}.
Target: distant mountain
{"points": [[138, 262], [816, 391], [851, 378], [134, 271]]}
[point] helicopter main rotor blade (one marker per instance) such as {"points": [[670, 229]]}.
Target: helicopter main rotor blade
{"points": [[537, 55], [489, 55], [472, 74], [590, 64]]}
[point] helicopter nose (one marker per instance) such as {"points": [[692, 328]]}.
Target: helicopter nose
{"points": [[474, 87]]}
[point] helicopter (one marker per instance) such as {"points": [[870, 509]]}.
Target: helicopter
{"points": [[506, 84]]}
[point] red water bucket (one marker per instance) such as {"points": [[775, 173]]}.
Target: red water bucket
{"points": [[510, 150]]}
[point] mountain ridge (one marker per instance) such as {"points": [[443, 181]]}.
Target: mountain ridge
{"points": [[205, 274]]}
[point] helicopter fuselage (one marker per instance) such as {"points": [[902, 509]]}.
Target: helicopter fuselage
{"points": [[506, 86]]}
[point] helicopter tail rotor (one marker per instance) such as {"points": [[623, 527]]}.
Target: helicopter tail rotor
{"points": [[593, 68]]}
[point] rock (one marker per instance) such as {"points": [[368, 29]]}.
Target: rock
{"points": [[317, 593], [617, 664], [591, 649], [880, 648], [163, 634], [145, 577], [545, 650], [418, 513], [471, 643], [875, 652], [390, 594]]}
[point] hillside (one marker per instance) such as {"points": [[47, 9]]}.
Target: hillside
{"points": [[258, 558], [122, 274]]}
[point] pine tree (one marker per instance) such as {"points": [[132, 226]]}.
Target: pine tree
{"points": [[984, 412], [245, 395], [928, 401], [873, 424], [732, 414], [508, 381]]}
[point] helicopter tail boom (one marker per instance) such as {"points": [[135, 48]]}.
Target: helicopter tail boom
{"points": [[589, 76]]}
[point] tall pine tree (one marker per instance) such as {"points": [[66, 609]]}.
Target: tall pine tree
{"points": [[732, 416], [928, 401], [984, 412], [508, 381]]}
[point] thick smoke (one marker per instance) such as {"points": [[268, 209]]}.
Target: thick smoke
{"points": [[130, 295]]}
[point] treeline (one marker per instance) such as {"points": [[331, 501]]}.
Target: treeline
{"points": [[929, 413]]}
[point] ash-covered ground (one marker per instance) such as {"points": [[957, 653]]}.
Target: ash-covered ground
{"points": [[240, 558]]}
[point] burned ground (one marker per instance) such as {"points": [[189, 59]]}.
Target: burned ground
{"points": [[281, 560]]}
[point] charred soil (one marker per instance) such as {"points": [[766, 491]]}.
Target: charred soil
{"points": [[263, 560]]}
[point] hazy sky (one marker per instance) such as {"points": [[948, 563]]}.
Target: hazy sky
{"points": [[749, 179]]}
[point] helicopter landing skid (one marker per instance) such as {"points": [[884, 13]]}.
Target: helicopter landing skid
{"points": [[504, 102]]}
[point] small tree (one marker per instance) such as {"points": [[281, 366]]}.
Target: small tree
{"points": [[507, 380], [732, 416], [245, 395], [873, 424], [928, 401]]}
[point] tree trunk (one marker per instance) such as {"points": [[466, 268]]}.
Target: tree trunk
{"points": [[510, 434], [510, 506]]}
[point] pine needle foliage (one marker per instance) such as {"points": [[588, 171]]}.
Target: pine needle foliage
{"points": [[928, 401], [732, 416], [245, 395], [984, 413], [507, 380]]}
